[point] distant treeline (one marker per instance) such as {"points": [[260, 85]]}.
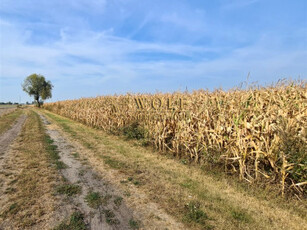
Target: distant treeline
{"points": [[16, 103]]}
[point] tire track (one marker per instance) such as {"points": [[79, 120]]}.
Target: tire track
{"points": [[110, 215], [8, 137]]}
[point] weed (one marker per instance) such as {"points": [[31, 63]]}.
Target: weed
{"points": [[53, 153], [81, 172], [127, 193], [60, 165], [93, 199], [134, 131], [189, 184], [13, 181], [133, 224], [184, 162], [88, 145], [76, 155], [105, 199], [194, 213], [240, 215], [144, 142], [118, 201], [69, 189], [76, 222], [135, 182], [113, 163], [110, 217], [13, 208]]}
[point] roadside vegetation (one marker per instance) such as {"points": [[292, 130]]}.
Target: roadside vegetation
{"points": [[198, 196], [7, 120]]}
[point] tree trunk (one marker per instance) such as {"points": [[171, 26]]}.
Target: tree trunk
{"points": [[37, 99]]}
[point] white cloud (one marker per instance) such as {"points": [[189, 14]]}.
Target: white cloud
{"points": [[108, 56]]}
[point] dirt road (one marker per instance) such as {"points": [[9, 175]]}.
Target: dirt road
{"points": [[112, 213], [8, 137], [6, 140]]}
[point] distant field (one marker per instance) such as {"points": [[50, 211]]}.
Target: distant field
{"points": [[7, 106], [4, 109]]}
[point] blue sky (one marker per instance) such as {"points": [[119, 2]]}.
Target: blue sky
{"points": [[98, 47]]}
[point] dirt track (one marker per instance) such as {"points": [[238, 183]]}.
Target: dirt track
{"points": [[9, 136], [6, 139], [116, 214]]}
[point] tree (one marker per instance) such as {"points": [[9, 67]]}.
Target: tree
{"points": [[37, 86]]}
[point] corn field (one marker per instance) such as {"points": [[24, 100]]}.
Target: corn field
{"points": [[258, 133]]}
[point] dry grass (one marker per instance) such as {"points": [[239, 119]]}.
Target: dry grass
{"points": [[259, 133], [191, 195], [7, 120], [30, 200]]}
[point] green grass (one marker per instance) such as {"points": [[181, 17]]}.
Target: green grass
{"points": [[133, 224], [53, 153], [133, 181], [76, 155], [115, 164], [189, 184], [76, 222], [68, 189], [105, 199], [12, 210], [60, 165], [110, 217], [93, 199], [134, 131], [193, 213], [82, 172], [118, 201], [241, 216]]}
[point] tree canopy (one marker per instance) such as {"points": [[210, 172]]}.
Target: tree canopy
{"points": [[37, 86]]}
